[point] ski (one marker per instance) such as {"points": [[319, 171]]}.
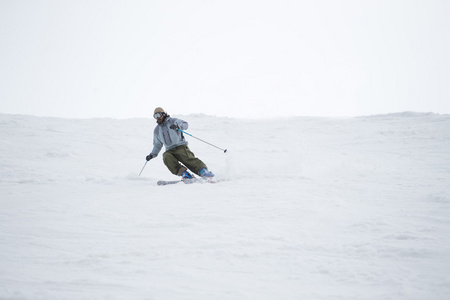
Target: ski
{"points": [[187, 181], [166, 182]]}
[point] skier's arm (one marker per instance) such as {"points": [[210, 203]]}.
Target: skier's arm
{"points": [[183, 125], [157, 145]]}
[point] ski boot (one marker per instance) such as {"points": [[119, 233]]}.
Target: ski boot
{"points": [[186, 175], [204, 173]]}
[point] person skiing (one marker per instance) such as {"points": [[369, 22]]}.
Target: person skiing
{"points": [[166, 133]]}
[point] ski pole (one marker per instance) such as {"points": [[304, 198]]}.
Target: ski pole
{"points": [[143, 168], [224, 150]]}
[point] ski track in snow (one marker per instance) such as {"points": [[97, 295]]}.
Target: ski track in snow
{"points": [[305, 208]]}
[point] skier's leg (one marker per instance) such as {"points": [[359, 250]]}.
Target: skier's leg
{"points": [[188, 158], [171, 162]]}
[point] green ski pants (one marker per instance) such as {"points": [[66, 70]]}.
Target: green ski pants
{"points": [[173, 157]]}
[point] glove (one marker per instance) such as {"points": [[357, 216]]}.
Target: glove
{"points": [[174, 127], [148, 157]]}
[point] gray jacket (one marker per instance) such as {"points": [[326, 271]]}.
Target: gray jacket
{"points": [[170, 138]]}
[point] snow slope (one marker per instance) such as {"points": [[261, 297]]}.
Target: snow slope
{"points": [[306, 208]]}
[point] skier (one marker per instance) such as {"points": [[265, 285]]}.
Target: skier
{"points": [[166, 133]]}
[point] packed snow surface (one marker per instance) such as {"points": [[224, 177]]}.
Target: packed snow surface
{"points": [[304, 208]]}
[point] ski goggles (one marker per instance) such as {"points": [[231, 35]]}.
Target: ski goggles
{"points": [[158, 115]]}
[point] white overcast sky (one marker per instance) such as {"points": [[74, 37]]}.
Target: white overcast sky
{"points": [[243, 58]]}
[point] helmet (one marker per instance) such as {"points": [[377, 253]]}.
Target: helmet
{"points": [[159, 110]]}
